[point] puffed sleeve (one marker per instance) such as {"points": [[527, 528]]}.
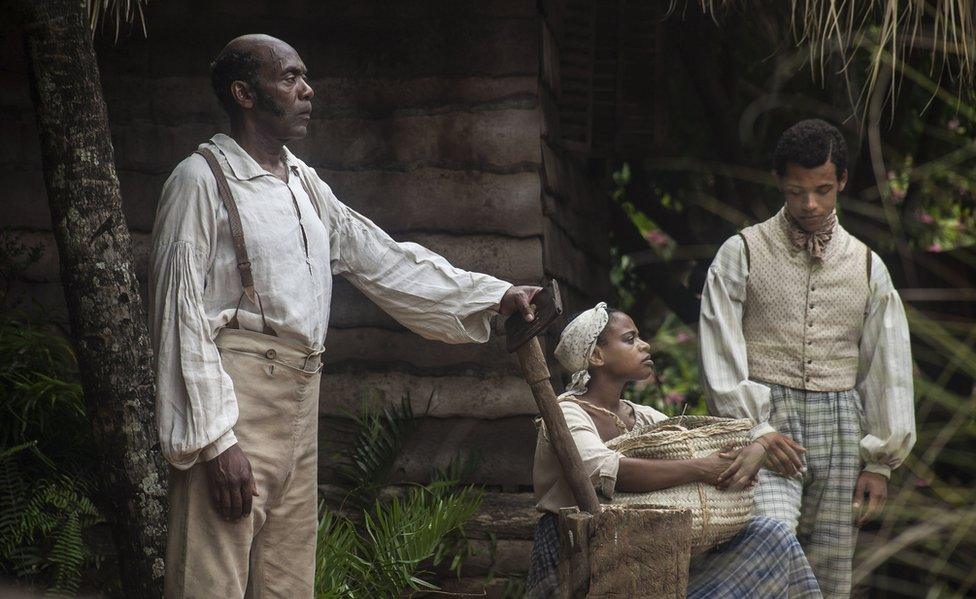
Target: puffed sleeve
{"points": [[724, 362], [884, 379], [196, 407]]}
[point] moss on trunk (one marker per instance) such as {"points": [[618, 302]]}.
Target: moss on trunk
{"points": [[106, 313]]}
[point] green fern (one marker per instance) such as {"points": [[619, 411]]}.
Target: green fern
{"points": [[46, 459], [405, 532], [337, 559], [382, 549], [379, 437], [384, 557]]}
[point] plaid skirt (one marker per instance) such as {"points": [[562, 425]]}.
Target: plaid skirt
{"points": [[764, 560]]}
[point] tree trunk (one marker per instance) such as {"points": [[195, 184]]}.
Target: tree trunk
{"points": [[105, 310]]}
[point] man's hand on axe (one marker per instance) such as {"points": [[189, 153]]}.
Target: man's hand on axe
{"points": [[518, 298]]}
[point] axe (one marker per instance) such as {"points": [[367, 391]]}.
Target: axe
{"points": [[522, 339]]}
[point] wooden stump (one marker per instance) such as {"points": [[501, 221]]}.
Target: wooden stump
{"points": [[624, 552]]}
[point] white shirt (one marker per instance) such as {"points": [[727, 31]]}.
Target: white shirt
{"points": [[884, 375], [295, 243], [600, 463]]}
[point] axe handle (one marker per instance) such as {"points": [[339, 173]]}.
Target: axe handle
{"points": [[536, 373]]}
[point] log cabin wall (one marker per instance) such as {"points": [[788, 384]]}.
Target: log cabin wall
{"points": [[440, 121]]}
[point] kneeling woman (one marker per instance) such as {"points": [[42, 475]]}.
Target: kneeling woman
{"points": [[602, 347]]}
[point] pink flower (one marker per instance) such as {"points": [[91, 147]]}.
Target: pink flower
{"points": [[657, 238], [682, 337], [935, 247], [953, 124], [674, 398], [925, 218], [921, 483]]}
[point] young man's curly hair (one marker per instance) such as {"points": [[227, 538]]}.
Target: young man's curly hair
{"points": [[809, 144]]}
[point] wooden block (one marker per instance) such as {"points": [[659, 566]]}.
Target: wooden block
{"points": [[574, 553], [384, 349], [515, 260], [438, 441], [503, 450], [590, 234], [506, 557], [569, 262], [640, 552], [498, 587], [565, 178], [504, 516], [503, 140], [550, 60], [448, 396], [443, 200]]}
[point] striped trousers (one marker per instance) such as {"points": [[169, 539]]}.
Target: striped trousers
{"points": [[816, 504]]}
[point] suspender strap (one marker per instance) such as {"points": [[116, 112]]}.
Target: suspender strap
{"points": [[745, 244], [240, 247], [234, 216], [870, 264]]}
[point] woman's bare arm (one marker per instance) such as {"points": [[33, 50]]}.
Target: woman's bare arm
{"points": [[640, 475]]}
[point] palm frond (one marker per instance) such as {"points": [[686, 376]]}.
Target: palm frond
{"points": [[380, 549], [337, 561], [886, 30], [378, 440], [116, 13], [405, 532]]}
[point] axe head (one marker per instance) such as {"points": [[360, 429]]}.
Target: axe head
{"points": [[548, 307]]}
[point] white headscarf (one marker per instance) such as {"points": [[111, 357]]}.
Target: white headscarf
{"points": [[576, 345]]}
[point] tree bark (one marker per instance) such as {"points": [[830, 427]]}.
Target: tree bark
{"points": [[104, 307]]}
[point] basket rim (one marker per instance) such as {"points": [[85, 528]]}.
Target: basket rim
{"points": [[671, 430]]}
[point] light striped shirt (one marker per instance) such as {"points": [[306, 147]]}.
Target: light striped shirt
{"points": [[298, 236], [884, 374]]}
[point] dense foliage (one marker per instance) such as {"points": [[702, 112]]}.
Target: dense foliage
{"points": [[371, 545], [47, 465]]}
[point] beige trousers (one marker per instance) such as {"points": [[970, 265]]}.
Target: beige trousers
{"points": [[270, 553]]}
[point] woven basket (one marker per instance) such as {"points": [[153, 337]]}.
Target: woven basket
{"points": [[716, 515]]}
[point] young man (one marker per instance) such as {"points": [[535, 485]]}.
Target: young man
{"points": [[246, 241], [802, 331]]}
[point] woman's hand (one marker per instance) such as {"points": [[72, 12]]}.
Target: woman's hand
{"points": [[710, 468], [745, 466], [782, 453]]}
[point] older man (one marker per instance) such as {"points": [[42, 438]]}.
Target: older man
{"points": [[246, 241], [802, 331]]}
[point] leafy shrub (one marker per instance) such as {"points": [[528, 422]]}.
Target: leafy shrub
{"points": [[380, 546], [46, 449]]}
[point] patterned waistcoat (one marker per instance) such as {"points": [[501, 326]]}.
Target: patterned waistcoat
{"points": [[803, 317]]}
